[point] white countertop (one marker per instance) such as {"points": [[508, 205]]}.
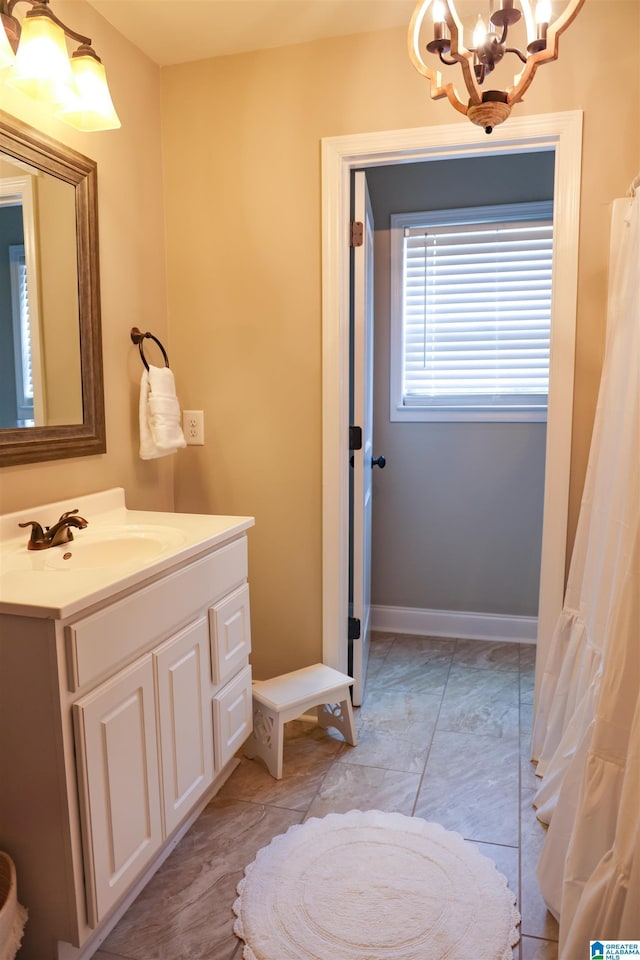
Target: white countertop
{"points": [[48, 584]]}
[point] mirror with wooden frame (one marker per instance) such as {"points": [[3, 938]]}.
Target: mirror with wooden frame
{"points": [[51, 384]]}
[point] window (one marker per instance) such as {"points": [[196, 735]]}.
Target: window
{"points": [[21, 335], [471, 312]]}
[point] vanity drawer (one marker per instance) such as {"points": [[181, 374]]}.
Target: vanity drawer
{"points": [[232, 717], [230, 631], [104, 641]]}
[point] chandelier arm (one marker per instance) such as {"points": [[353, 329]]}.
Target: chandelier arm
{"points": [[455, 101], [469, 80], [436, 88], [550, 52], [80, 38], [517, 52], [414, 47], [524, 80], [462, 56]]}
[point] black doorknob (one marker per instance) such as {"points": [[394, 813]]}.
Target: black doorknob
{"points": [[378, 462]]}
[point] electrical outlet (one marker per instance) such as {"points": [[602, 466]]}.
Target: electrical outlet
{"points": [[193, 427]]}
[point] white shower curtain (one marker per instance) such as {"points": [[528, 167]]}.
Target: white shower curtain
{"points": [[587, 727]]}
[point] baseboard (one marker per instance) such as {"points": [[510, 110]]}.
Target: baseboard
{"points": [[454, 623]]}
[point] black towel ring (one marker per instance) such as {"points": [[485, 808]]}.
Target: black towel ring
{"points": [[138, 337]]}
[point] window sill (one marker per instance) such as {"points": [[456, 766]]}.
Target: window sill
{"points": [[417, 414]]}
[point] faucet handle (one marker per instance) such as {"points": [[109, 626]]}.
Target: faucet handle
{"points": [[37, 540]]}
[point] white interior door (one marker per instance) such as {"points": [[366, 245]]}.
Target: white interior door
{"points": [[362, 417]]}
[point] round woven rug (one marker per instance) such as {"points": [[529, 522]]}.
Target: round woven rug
{"points": [[368, 885]]}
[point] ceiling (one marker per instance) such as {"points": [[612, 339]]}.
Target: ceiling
{"points": [[178, 31]]}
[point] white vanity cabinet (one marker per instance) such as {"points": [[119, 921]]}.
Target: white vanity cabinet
{"points": [[140, 777], [118, 722]]}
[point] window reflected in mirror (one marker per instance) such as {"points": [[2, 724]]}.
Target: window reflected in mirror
{"points": [[22, 345]]}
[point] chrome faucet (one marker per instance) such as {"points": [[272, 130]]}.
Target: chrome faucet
{"points": [[59, 533]]}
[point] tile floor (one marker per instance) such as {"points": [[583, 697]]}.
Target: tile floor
{"points": [[443, 734]]}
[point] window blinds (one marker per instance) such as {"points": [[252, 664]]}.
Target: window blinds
{"points": [[21, 334], [25, 326], [476, 313]]}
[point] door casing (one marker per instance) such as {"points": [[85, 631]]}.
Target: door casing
{"points": [[561, 132]]}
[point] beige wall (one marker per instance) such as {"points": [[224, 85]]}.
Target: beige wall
{"points": [[132, 272], [242, 175]]}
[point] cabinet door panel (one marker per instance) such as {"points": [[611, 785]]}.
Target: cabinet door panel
{"points": [[230, 635], [233, 717], [119, 787], [186, 736]]}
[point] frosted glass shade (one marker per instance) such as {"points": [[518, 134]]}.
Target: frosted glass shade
{"points": [[7, 56], [92, 108], [42, 69]]}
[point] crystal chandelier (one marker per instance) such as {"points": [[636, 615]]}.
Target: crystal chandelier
{"points": [[445, 41]]}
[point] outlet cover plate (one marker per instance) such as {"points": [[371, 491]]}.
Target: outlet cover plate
{"points": [[193, 427]]}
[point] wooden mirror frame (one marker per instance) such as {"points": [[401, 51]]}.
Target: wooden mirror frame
{"points": [[33, 444]]}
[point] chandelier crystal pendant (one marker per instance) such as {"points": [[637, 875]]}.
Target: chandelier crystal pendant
{"points": [[35, 53], [443, 32]]}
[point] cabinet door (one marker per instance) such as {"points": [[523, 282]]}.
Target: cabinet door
{"points": [[119, 787], [230, 635], [186, 735], [232, 716]]}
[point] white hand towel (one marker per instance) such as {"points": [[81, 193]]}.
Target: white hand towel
{"points": [[160, 431]]}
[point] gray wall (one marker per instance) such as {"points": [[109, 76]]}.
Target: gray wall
{"points": [[457, 512]]}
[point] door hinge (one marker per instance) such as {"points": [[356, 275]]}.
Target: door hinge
{"points": [[355, 438], [357, 233], [354, 629]]}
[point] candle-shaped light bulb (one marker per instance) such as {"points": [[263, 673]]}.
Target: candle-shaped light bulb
{"points": [[542, 18], [440, 43], [543, 11], [437, 11], [479, 33]]}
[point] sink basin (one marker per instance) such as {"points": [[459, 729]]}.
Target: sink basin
{"points": [[113, 546]]}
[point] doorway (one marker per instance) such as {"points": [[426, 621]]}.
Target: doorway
{"points": [[558, 132]]}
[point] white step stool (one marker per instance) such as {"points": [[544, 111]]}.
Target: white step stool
{"points": [[286, 697]]}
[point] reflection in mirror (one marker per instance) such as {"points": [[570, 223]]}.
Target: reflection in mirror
{"points": [[51, 402], [38, 299]]}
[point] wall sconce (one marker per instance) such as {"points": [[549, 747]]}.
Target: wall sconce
{"points": [[491, 107], [34, 60]]}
